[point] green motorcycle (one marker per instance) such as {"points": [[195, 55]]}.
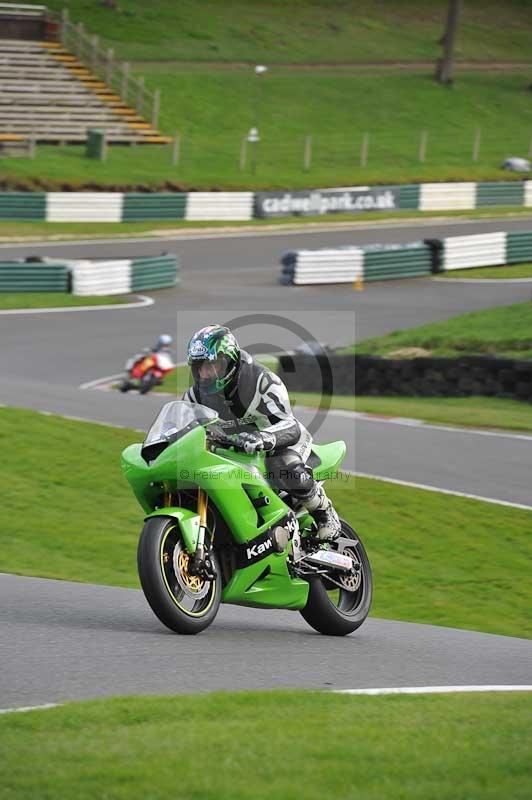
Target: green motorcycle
{"points": [[217, 531]]}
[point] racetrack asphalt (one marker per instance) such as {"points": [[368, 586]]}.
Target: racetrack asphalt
{"points": [[74, 641]]}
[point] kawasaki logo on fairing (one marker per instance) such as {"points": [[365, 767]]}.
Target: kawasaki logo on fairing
{"points": [[258, 549]]}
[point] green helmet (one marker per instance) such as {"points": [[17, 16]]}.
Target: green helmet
{"points": [[213, 355]]}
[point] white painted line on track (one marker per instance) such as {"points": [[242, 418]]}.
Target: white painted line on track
{"points": [[428, 488], [368, 692], [436, 689], [101, 382], [22, 709], [144, 301], [483, 280], [418, 423]]}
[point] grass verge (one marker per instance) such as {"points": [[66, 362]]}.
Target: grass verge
{"points": [[454, 747], [499, 273], [16, 231], [303, 31], [335, 108], [436, 559], [12, 300], [505, 331], [474, 412]]}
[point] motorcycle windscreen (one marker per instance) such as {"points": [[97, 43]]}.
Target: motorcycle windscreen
{"points": [[174, 420]]}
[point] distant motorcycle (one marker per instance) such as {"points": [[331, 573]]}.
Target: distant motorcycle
{"points": [[146, 370]]}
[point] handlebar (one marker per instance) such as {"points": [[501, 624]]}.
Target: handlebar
{"points": [[219, 439]]}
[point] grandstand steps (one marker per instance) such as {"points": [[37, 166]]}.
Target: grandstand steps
{"points": [[47, 95]]}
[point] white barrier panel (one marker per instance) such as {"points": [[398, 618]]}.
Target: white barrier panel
{"points": [[442, 196], [101, 277], [328, 266], [482, 250], [527, 200], [84, 206], [219, 206]]}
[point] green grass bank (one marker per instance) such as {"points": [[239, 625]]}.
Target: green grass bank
{"points": [[436, 558], [505, 331], [336, 109], [303, 31], [453, 747]]}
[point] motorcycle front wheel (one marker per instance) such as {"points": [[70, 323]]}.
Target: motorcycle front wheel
{"points": [[338, 610], [183, 602], [147, 382]]}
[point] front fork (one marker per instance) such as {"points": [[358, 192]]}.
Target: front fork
{"points": [[201, 563]]}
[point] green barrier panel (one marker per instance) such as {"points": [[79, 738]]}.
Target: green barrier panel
{"points": [[409, 196], [154, 273], [383, 262], [138, 207], [23, 206], [500, 194], [21, 277], [518, 247]]}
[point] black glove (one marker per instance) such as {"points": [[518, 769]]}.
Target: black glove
{"points": [[252, 443]]}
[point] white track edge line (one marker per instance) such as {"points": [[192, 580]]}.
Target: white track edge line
{"points": [[144, 301], [483, 280], [369, 692], [436, 689], [428, 488], [23, 709], [412, 422]]}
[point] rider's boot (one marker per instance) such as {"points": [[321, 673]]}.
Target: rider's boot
{"points": [[325, 517]]}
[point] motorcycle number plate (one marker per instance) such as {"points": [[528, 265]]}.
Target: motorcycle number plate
{"points": [[329, 558]]}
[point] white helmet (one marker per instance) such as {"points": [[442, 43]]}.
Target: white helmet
{"points": [[164, 340]]}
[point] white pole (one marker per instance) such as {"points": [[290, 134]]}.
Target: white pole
{"points": [[476, 145], [125, 82], [364, 150], [243, 153], [109, 66], [422, 146], [175, 149], [307, 159]]}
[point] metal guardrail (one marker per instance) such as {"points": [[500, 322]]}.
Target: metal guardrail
{"points": [[117, 75]]}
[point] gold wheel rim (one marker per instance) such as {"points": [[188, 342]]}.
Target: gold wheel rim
{"points": [[193, 582]]}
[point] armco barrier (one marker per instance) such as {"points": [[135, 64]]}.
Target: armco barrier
{"points": [[518, 247], [23, 206], [84, 207], [339, 265], [17, 276], [500, 194], [479, 250], [346, 264], [419, 377], [139, 207], [84, 277], [101, 277], [205, 206], [154, 273], [236, 206], [386, 262], [444, 196]]}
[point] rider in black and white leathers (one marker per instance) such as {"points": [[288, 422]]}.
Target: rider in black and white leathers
{"points": [[257, 409]]}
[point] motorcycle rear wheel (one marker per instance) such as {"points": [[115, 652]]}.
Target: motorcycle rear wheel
{"points": [[184, 603], [336, 611]]}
